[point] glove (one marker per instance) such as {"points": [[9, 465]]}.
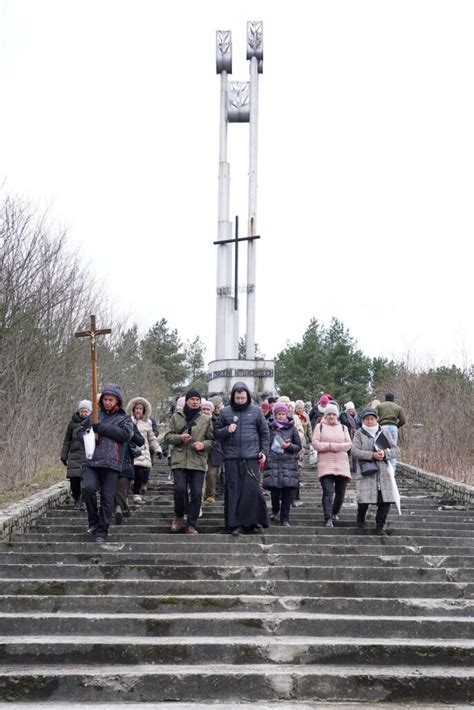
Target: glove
{"points": [[64, 461], [95, 427]]}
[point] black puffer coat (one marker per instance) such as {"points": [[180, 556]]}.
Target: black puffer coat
{"points": [[216, 456], [138, 440], [281, 470], [73, 447], [252, 435], [115, 431]]}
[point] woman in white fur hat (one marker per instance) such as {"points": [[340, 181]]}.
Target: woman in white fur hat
{"points": [[72, 452], [139, 409]]}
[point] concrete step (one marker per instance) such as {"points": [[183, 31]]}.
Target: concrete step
{"points": [[127, 570], [225, 545], [305, 514], [294, 536], [128, 604], [151, 683], [137, 650], [174, 588], [211, 560], [275, 705], [405, 526], [234, 624], [288, 617]]}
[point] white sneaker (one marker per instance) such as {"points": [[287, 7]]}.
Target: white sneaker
{"points": [[137, 499]]}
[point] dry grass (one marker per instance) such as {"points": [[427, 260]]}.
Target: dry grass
{"points": [[439, 411], [43, 479]]}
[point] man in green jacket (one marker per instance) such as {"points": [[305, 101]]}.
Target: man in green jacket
{"points": [[191, 435], [391, 417]]}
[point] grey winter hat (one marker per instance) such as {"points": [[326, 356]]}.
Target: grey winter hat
{"points": [[85, 404], [368, 410], [331, 408]]}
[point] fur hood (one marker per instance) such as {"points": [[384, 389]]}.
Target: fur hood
{"points": [[139, 400]]}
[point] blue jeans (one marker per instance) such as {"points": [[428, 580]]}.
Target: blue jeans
{"points": [[393, 431]]}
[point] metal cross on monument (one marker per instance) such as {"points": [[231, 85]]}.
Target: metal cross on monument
{"points": [[235, 240], [92, 334]]}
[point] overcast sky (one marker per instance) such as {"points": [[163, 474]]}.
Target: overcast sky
{"points": [[109, 119]]}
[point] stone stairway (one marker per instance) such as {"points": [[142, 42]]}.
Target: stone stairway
{"points": [[290, 617]]}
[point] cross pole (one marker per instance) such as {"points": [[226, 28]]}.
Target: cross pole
{"points": [[235, 240], [92, 334]]}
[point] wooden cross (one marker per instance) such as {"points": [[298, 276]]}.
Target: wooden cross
{"points": [[92, 334]]}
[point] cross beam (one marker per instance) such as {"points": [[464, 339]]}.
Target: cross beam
{"points": [[92, 334], [235, 240]]}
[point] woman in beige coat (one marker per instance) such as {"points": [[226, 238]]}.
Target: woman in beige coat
{"points": [[332, 441], [139, 409], [377, 488]]}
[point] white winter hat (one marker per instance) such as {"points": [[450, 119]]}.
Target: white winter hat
{"points": [[349, 405], [331, 408]]}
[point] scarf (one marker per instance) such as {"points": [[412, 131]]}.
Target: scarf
{"points": [[372, 430], [190, 413], [351, 420], [281, 424]]}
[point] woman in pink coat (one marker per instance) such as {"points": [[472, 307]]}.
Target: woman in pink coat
{"points": [[332, 441]]}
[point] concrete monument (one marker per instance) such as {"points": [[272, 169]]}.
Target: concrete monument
{"points": [[238, 104]]}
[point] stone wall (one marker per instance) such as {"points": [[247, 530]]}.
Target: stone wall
{"points": [[20, 516], [461, 492]]}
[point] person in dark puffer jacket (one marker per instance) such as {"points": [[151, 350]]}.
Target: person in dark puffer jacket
{"points": [[281, 474], [72, 451], [101, 473]]}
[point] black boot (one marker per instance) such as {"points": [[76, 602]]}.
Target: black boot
{"points": [[361, 513], [118, 515]]}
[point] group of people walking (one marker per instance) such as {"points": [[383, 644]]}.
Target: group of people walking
{"points": [[241, 440]]}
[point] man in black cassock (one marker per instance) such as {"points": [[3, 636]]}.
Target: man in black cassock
{"points": [[243, 431]]}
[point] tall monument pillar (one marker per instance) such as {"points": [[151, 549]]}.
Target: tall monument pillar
{"points": [[255, 56], [227, 318], [238, 104]]}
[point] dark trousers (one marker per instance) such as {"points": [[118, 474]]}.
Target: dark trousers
{"points": [[142, 475], [76, 485], [382, 512], [188, 493], [121, 494], [104, 481], [334, 490], [212, 476], [281, 500]]}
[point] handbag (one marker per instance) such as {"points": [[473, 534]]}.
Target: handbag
{"points": [[368, 468], [89, 444]]}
